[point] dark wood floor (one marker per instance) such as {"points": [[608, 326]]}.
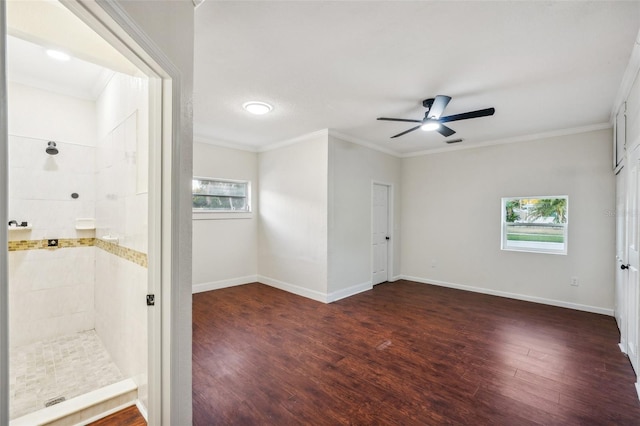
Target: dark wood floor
{"points": [[128, 417], [404, 354]]}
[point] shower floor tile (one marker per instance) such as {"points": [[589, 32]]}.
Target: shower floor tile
{"points": [[66, 366]]}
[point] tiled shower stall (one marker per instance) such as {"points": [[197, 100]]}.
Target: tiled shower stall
{"points": [[78, 266]]}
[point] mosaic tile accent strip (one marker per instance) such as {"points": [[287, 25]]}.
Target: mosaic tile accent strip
{"points": [[65, 366], [21, 245], [126, 253]]}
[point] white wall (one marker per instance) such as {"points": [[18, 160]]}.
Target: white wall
{"points": [[225, 246], [50, 291], [352, 171], [45, 115], [292, 235], [122, 212], [451, 219]]}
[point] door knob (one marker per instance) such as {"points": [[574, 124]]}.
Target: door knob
{"points": [[623, 266], [386, 238]]}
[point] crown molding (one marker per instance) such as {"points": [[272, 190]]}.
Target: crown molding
{"points": [[515, 139], [364, 143], [293, 141], [199, 138]]}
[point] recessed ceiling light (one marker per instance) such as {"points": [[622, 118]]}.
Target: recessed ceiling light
{"points": [[57, 54], [257, 108], [430, 125]]}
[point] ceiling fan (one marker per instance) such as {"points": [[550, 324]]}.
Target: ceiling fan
{"points": [[433, 119]]}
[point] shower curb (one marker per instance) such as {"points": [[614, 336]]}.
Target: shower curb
{"points": [[90, 406]]}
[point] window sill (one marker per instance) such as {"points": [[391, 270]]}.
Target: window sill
{"points": [[221, 215]]}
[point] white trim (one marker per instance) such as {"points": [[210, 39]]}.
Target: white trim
{"points": [[217, 285], [628, 78], [526, 298], [293, 141], [621, 346], [522, 138], [292, 288], [638, 389], [199, 138], [143, 410], [364, 143], [395, 278], [349, 291], [169, 375], [4, 197]]}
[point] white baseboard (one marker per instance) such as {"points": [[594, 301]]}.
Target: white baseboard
{"points": [[638, 389], [527, 298], [396, 278], [216, 285], [621, 346], [143, 410], [349, 291], [292, 288]]}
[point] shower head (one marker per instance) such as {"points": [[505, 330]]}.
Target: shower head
{"points": [[51, 148]]}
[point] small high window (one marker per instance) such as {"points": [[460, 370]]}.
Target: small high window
{"points": [[220, 195], [535, 224]]}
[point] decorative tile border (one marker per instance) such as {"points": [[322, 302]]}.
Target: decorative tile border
{"points": [[126, 253], [20, 245]]}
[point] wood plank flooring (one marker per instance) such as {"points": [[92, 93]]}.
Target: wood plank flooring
{"points": [[404, 354], [128, 417]]}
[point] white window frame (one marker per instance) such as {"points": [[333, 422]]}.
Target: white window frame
{"points": [[206, 214], [533, 247]]}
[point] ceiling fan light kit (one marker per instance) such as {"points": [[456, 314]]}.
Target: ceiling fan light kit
{"points": [[433, 117]]}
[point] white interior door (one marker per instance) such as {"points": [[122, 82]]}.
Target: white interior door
{"points": [[621, 256], [633, 253], [380, 237]]}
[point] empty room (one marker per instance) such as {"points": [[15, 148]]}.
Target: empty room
{"points": [[415, 213], [336, 212]]}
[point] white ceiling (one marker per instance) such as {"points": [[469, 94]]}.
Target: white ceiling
{"points": [[35, 26], [29, 64], [546, 66]]}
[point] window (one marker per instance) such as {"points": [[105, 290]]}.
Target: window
{"points": [[535, 224], [220, 195]]}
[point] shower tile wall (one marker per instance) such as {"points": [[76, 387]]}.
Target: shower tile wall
{"points": [[51, 291], [122, 212], [103, 156]]}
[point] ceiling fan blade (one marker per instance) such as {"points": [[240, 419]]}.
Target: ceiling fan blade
{"points": [[406, 131], [438, 106], [399, 119], [445, 131], [466, 115]]}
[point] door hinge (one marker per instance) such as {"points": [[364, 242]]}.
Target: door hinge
{"points": [[151, 299]]}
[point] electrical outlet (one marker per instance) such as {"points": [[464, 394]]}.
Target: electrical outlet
{"points": [[575, 282], [52, 243], [434, 263]]}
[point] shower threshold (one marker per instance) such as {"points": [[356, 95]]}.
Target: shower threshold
{"points": [[85, 408]]}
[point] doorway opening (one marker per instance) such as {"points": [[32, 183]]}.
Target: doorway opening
{"points": [[84, 235]]}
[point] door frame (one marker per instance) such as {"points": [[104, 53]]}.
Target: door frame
{"points": [[113, 23], [390, 229], [4, 237], [620, 313]]}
